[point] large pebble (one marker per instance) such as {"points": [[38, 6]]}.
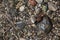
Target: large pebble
{"points": [[33, 19], [37, 10], [52, 6], [22, 8], [44, 8], [45, 25]]}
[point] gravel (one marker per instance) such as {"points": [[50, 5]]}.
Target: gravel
{"points": [[29, 19]]}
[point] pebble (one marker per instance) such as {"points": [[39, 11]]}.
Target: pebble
{"points": [[33, 19], [52, 6], [39, 1], [37, 10], [29, 34], [32, 2], [21, 24], [22, 8], [22, 39], [44, 8], [45, 25]]}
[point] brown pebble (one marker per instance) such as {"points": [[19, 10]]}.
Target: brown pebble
{"points": [[39, 17], [32, 2]]}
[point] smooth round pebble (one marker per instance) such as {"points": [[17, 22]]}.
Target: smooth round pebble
{"points": [[22, 8]]}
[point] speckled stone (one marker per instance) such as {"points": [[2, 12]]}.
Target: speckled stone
{"points": [[45, 25], [21, 24]]}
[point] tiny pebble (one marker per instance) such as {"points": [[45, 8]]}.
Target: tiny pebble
{"points": [[39, 1], [22, 39], [32, 2], [22, 8]]}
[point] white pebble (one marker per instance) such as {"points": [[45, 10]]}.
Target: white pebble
{"points": [[22, 8], [39, 1], [33, 19]]}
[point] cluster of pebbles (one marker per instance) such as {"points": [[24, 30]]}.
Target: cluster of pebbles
{"points": [[29, 19]]}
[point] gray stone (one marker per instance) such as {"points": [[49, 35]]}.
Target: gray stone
{"points": [[21, 24], [52, 6], [45, 25]]}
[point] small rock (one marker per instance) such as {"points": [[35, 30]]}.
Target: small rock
{"points": [[45, 25], [39, 5], [22, 8], [44, 8], [12, 11], [33, 19], [52, 6], [58, 2], [21, 24], [32, 2], [39, 1], [22, 39]]}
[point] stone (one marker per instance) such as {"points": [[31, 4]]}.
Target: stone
{"points": [[44, 8], [22, 8], [45, 0], [32, 2], [39, 1], [52, 6], [29, 34], [21, 24], [37, 10], [45, 25]]}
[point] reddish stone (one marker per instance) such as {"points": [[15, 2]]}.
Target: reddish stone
{"points": [[32, 2], [39, 17]]}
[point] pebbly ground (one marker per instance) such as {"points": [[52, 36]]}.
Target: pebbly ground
{"points": [[15, 14]]}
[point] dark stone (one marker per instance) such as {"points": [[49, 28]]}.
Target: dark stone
{"points": [[21, 24], [45, 24]]}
